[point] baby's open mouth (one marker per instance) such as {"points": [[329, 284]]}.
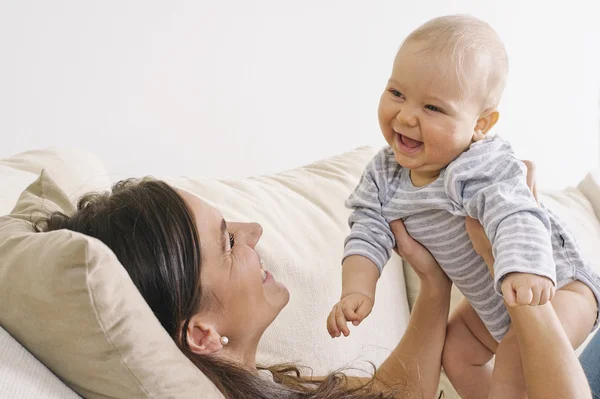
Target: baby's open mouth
{"points": [[410, 143], [407, 145]]}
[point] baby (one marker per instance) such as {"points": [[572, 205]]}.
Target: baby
{"points": [[440, 166]]}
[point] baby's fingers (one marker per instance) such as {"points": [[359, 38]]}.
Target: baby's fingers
{"points": [[509, 295], [524, 296], [536, 296], [341, 321], [356, 312], [545, 296], [332, 324]]}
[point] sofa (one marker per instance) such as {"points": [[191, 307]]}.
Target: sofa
{"points": [[73, 325]]}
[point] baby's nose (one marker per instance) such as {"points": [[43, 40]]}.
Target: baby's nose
{"points": [[406, 117]]}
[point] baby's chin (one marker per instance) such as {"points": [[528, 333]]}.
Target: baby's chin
{"points": [[407, 161]]}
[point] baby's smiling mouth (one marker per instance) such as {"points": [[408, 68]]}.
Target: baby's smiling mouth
{"points": [[406, 144], [411, 143]]}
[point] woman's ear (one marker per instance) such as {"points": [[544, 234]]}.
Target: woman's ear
{"points": [[486, 121], [202, 337]]}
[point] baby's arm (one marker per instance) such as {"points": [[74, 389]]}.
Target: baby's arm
{"points": [[367, 249], [359, 279], [490, 184]]}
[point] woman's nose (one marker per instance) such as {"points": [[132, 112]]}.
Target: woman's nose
{"points": [[255, 231], [250, 233]]}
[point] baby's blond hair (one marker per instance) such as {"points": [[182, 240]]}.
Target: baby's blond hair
{"points": [[473, 48]]}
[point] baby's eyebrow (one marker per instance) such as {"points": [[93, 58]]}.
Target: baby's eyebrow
{"points": [[444, 103]]}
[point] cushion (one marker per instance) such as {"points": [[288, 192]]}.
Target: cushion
{"points": [[305, 222], [66, 298], [76, 171], [590, 187], [23, 376]]}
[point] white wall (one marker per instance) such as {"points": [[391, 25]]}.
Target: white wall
{"points": [[230, 88]]}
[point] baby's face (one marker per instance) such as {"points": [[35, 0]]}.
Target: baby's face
{"points": [[422, 114]]}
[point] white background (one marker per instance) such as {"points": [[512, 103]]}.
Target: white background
{"points": [[234, 88]]}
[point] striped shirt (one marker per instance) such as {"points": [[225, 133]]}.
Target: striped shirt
{"points": [[487, 183]]}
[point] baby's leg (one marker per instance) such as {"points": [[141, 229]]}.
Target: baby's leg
{"points": [[576, 308], [467, 353]]}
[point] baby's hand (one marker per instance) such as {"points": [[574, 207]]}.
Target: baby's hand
{"points": [[353, 307], [521, 289]]}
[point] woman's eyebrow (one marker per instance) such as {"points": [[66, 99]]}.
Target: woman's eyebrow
{"points": [[223, 240]]}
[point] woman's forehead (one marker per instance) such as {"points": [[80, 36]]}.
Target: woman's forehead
{"points": [[208, 219]]}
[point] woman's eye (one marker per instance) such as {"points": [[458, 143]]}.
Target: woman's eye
{"points": [[433, 108], [396, 93], [231, 240]]}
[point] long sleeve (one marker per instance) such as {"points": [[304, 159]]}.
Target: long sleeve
{"points": [[489, 184], [370, 234]]}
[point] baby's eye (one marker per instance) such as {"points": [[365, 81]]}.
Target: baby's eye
{"points": [[396, 93], [231, 240], [433, 108]]}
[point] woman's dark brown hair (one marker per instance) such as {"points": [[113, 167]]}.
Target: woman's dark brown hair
{"points": [[151, 230]]}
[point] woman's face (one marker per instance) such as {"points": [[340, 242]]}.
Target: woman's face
{"points": [[247, 298]]}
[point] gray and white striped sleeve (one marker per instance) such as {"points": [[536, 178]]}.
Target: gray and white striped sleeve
{"points": [[370, 234], [490, 184]]}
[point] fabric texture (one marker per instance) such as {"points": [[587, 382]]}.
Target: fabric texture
{"points": [[22, 376], [66, 298], [304, 225], [487, 183], [77, 171]]}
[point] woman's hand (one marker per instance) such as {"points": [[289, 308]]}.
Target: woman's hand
{"points": [[420, 259]]}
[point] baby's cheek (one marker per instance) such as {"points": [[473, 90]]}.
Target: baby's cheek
{"points": [[446, 147], [459, 140]]}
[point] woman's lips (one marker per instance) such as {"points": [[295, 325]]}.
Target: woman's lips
{"points": [[265, 274], [268, 277]]}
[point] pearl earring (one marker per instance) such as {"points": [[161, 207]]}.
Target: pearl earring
{"points": [[224, 340]]}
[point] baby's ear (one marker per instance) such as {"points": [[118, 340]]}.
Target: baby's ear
{"points": [[486, 121]]}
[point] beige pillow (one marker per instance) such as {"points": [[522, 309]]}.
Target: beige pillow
{"points": [[76, 172], [65, 297], [305, 222], [590, 187]]}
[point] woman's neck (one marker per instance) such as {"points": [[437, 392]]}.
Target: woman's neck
{"points": [[242, 351]]}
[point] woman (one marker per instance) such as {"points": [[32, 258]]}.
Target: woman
{"points": [[204, 281]]}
